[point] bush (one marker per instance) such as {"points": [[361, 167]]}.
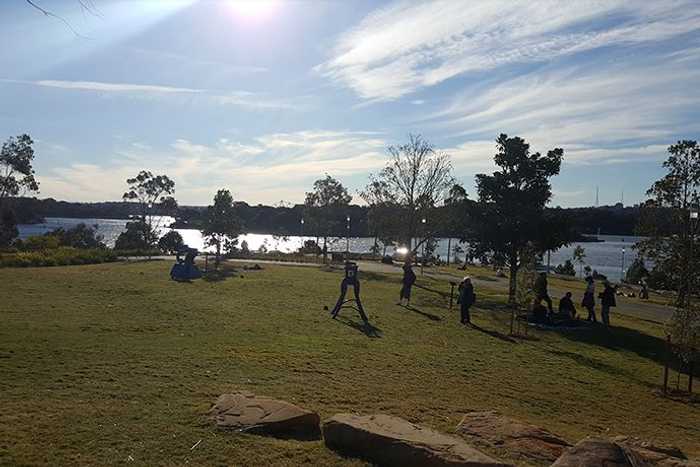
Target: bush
{"points": [[81, 236], [136, 252], [566, 269], [38, 243], [62, 256], [171, 242], [637, 271], [387, 259]]}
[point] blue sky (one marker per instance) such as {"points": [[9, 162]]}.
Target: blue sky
{"points": [[265, 97]]}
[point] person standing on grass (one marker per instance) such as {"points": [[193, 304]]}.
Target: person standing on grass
{"points": [[409, 278], [541, 290], [466, 299], [607, 297], [567, 310], [589, 299]]}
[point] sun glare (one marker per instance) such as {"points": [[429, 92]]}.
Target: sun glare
{"points": [[253, 9]]}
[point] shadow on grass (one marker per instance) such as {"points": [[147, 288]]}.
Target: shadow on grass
{"points": [[430, 316], [496, 334], [367, 329], [622, 339], [379, 277], [218, 275], [602, 367]]}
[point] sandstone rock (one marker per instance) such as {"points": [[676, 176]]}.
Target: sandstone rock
{"points": [[245, 411], [594, 452], [650, 452], [518, 439], [392, 441]]}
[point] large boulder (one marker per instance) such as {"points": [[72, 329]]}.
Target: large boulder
{"points": [[596, 452], [649, 451], [244, 411], [392, 441], [517, 439]]}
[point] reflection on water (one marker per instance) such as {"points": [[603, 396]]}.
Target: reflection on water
{"points": [[605, 257]]}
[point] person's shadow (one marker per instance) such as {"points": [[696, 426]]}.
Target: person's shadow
{"points": [[430, 316], [366, 328]]}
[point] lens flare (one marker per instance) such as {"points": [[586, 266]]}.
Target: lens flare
{"points": [[254, 9]]}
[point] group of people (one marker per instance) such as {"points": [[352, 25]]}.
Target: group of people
{"points": [[466, 298], [539, 313], [567, 310]]}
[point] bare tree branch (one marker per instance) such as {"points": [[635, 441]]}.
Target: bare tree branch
{"points": [[85, 5]]}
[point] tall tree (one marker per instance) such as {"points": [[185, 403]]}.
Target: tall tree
{"points": [[326, 208], [454, 216], [16, 178], [418, 178], [153, 195], [221, 226], [510, 210], [673, 236], [382, 214]]}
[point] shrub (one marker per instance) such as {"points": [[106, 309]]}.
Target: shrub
{"points": [[566, 269], [38, 243], [636, 271], [171, 242], [81, 236], [63, 256]]}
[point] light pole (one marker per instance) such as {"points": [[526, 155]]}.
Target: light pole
{"points": [[422, 254], [622, 268], [694, 214], [301, 231], [347, 239]]}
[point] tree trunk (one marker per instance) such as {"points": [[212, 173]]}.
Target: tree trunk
{"points": [[449, 245], [325, 250], [513, 285], [218, 255]]}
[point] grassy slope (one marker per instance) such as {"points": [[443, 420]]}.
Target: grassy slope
{"points": [[99, 363]]}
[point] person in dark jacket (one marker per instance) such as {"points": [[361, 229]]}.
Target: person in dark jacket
{"points": [[589, 299], [567, 310], [538, 314], [541, 290], [466, 299], [607, 300], [409, 278]]}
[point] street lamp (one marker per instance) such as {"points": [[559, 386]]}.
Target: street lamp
{"points": [[422, 254], [622, 269], [301, 231], [347, 239], [694, 214]]}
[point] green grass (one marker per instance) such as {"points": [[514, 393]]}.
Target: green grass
{"points": [[102, 362]]}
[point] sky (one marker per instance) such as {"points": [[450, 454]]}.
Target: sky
{"points": [[264, 97]]}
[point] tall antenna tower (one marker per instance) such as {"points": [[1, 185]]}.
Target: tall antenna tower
{"points": [[622, 198], [597, 193]]}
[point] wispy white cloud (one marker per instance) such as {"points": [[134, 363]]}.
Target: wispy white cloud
{"points": [[246, 99], [266, 169], [112, 87], [410, 45], [604, 114]]}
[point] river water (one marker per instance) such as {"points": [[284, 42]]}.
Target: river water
{"points": [[609, 257]]}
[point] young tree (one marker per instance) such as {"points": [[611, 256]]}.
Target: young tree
{"points": [[510, 210], [418, 178], [171, 242], [381, 215], [221, 226], [153, 194], [326, 208], [579, 256], [673, 238]]}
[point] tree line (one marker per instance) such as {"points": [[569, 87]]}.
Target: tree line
{"points": [[410, 202]]}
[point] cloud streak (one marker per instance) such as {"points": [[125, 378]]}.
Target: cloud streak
{"points": [[408, 45], [249, 100]]}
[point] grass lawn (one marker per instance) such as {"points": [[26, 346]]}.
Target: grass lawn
{"points": [[107, 363]]}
